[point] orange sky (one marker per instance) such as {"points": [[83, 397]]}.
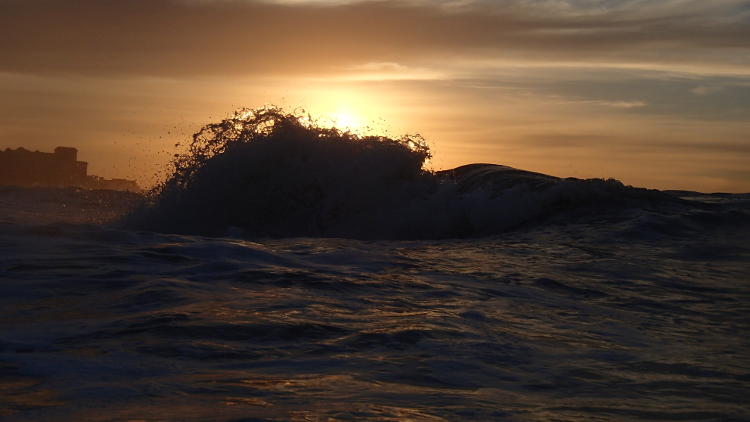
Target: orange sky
{"points": [[655, 94]]}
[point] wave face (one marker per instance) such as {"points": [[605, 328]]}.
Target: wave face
{"points": [[266, 173]]}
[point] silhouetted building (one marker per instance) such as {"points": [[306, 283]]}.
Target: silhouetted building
{"points": [[21, 167]]}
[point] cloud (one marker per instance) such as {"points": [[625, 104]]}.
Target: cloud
{"points": [[668, 95], [389, 71], [175, 38], [706, 90], [618, 104]]}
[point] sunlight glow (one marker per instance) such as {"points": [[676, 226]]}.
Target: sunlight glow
{"points": [[346, 120], [349, 108]]}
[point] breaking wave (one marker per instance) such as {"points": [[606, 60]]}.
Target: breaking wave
{"points": [[269, 173]]}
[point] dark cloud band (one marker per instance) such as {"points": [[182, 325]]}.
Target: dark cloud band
{"points": [[175, 38]]}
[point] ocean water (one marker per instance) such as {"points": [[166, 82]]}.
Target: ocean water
{"points": [[642, 316], [285, 272]]}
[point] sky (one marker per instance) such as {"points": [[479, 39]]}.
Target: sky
{"points": [[655, 93]]}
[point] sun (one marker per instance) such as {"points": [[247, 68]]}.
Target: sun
{"points": [[344, 109], [358, 110], [345, 119]]}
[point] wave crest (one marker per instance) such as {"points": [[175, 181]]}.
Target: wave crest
{"points": [[269, 173], [273, 173]]}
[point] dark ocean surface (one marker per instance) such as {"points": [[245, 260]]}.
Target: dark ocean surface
{"points": [[640, 313]]}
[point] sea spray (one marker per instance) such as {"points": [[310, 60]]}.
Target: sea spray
{"points": [[273, 173]]}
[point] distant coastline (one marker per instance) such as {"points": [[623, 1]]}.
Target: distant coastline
{"points": [[61, 168]]}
